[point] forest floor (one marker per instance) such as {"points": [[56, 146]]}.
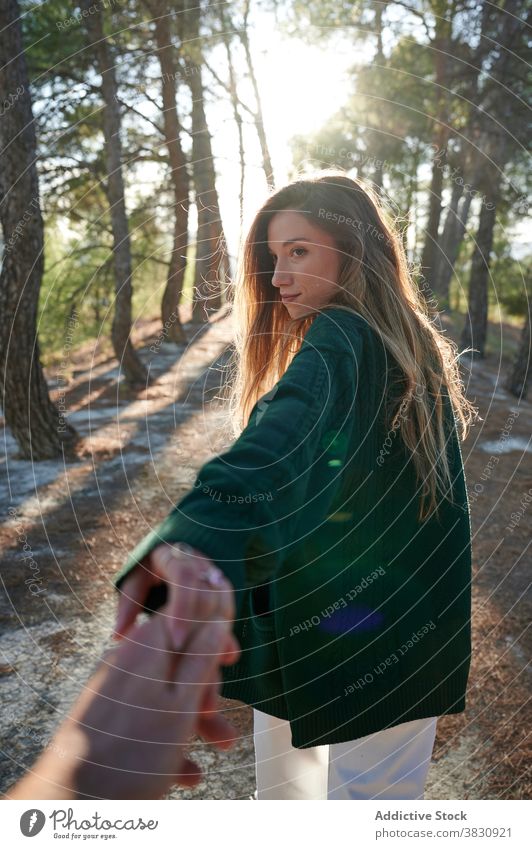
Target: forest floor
{"points": [[141, 453]]}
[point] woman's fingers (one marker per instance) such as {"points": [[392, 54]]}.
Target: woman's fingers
{"points": [[214, 601], [133, 593], [191, 600], [176, 570]]}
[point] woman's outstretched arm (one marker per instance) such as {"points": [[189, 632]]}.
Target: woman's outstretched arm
{"points": [[252, 504]]}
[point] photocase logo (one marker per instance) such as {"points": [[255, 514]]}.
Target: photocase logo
{"points": [[262, 405], [32, 822]]}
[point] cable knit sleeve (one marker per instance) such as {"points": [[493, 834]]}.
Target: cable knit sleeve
{"points": [[250, 505]]}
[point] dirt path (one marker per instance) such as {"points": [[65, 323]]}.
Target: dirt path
{"points": [[79, 521]]}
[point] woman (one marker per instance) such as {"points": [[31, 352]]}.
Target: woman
{"points": [[340, 514]]}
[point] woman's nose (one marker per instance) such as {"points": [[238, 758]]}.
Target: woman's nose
{"points": [[280, 275]]}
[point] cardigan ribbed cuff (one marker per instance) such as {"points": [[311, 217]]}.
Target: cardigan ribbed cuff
{"points": [[177, 527]]}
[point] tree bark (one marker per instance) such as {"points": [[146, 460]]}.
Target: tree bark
{"points": [[172, 327], [451, 239], [476, 325], [498, 107], [129, 362], [519, 377], [441, 46], [411, 192], [227, 25], [430, 247], [37, 425], [210, 239], [378, 170], [470, 167], [259, 121], [452, 249]]}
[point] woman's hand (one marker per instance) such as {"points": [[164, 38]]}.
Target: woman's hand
{"points": [[189, 600]]}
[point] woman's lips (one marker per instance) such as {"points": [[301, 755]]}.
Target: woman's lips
{"points": [[290, 297]]}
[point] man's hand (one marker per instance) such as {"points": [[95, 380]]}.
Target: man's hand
{"points": [[189, 603], [125, 737]]}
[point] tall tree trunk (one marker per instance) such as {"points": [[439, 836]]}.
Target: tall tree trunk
{"points": [[259, 122], [441, 45], [519, 377], [497, 111], [458, 214], [172, 327], [446, 245], [411, 192], [451, 248], [430, 247], [211, 243], [37, 425], [134, 370], [378, 171], [227, 25], [476, 324]]}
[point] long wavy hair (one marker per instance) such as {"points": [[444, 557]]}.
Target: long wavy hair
{"points": [[374, 281]]}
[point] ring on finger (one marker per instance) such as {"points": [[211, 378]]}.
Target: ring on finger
{"points": [[184, 548], [212, 576]]}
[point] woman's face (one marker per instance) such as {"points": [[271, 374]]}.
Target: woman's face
{"points": [[306, 260]]}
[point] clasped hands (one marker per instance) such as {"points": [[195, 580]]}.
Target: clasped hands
{"points": [[126, 734]]}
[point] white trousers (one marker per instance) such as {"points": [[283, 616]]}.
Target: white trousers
{"points": [[389, 764]]}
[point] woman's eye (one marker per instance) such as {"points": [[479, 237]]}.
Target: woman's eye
{"points": [[293, 251]]}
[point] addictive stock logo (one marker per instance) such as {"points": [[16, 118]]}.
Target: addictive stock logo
{"points": [[32, 822]]}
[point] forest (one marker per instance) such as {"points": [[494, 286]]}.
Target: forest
{"points": [[111, 205], [137, 140]]}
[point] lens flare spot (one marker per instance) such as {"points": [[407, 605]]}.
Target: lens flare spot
{"points": [[353, 619], [340, 516]]}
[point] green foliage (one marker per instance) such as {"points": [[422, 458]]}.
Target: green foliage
{"points": [[78, 279], [68, 110], [79, 272], [385, 125], [513, 284]]}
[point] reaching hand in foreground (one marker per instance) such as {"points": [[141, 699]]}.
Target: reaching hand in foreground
{"points": [[126, 734], [190, 601]]}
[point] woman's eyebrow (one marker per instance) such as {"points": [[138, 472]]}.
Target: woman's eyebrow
{"points": [[289, 241]]}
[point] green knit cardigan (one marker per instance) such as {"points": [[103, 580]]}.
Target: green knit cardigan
{"points": [[352, 615]]}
